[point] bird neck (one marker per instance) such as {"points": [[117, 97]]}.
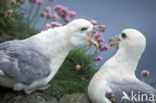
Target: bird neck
{"points": [[128, 58], [52, 42], [122, 65]]}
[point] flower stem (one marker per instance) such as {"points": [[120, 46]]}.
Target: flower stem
{"points": [[34, 19], [29, 13], [143, 79]]}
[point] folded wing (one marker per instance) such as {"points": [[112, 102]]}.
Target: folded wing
{"points": [[132, 92], [22, 63]]}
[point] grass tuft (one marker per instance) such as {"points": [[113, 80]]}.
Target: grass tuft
{"points": [[68, 80]]}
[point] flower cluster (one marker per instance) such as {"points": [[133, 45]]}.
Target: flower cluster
{"points": [[65, 13], [48, 15], [99, 37]]}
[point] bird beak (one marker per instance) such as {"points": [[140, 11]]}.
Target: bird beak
{"points": [[114, 42], [91, 41], [98, 28]]}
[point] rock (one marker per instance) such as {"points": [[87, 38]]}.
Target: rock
{"points": [[52, 100], [74, 98], [9, 96], [22, 98]]}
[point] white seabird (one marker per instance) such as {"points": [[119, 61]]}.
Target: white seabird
{"points": [[31, 63], [116, 82]]}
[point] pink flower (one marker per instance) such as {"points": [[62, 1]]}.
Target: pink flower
{"points": [[145, 73], [9, 12], [55, 24], [100, 39], [39, 2], [49, 16], [102, 28], [58, 7], [43, 14], [67, 19], [96, 35], [94, 22], [65, 10], [55, 17], [105, 47], [47, 9], [99, 58], [72, 14], [60, 12], [47, 26], [78, 67]]}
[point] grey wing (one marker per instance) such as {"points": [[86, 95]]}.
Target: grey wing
{"points": [[133, 92], [22, 63]]}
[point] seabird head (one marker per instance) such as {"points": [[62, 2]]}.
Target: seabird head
{"points": [[79, 32], [129, 39]]}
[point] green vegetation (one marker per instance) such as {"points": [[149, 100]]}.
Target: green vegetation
{"points": [[13, 27], [69, 80]]}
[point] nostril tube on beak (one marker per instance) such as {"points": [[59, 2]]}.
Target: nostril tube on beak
{"points": [[99, 28]]}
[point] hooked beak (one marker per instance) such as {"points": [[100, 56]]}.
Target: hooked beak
{"points": [[91, 41], [98, 28], [114, 42]]}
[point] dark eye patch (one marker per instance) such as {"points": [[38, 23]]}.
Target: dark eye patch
{"points": [[84, 28], [123, 35]]}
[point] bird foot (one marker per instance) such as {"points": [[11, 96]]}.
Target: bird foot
{"points": [[27, 91], [44, 87]]}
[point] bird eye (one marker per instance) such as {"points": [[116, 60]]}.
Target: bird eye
{"points": [[123, 35], [84, 29]]}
